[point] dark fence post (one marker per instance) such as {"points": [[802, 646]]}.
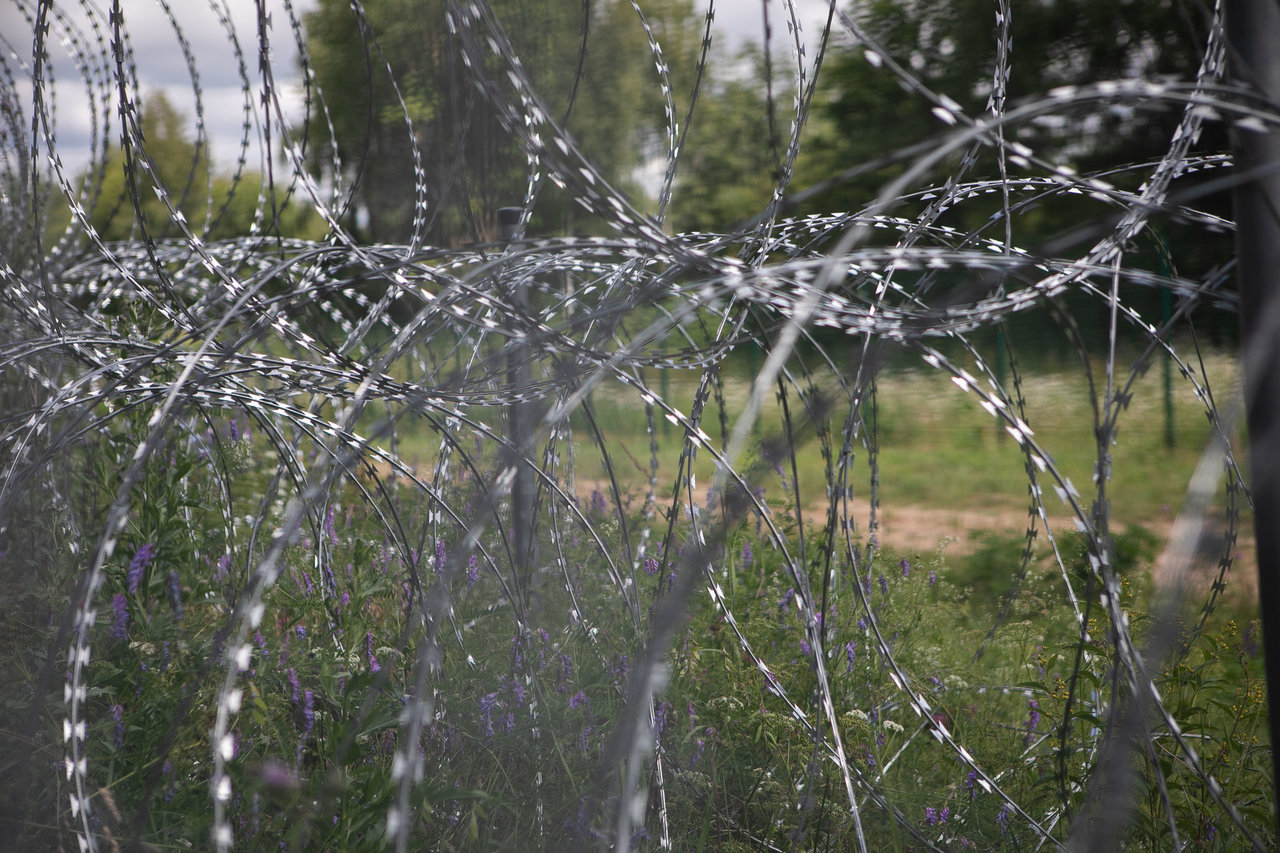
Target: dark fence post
{"points": [[1253, 44], [521, 421]]}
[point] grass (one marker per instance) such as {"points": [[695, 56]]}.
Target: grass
{"points": [[522, 708], [936, 447]]}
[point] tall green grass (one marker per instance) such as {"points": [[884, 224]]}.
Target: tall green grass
{"points": [[512, 755]]}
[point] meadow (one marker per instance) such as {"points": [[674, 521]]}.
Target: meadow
{"points": [[531, 671]]}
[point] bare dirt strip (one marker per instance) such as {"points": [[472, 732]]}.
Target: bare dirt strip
{"points": [[960, 532]]}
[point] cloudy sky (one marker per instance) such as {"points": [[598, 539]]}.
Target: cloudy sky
{"points": [[161, 63]]}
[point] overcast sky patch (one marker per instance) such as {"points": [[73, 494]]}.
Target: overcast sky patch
{"points": [[156, 38]]}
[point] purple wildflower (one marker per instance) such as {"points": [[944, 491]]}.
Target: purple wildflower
{"points": [[222, 568], [441, 556], [328, 526], [276, 775], [849, 654], [306, 580], [619, 669], [906, 568], [771, 684], [699, 746], [566, 672], [1033, 718], [517, 653], [650, 566], [884, 585], [302, 632], [374, 666], [308, 711], [117, 714], [293, 683], [120, 625], [970, 780], [746, 555], [1210, 833], [473, 571], [141, 559], [805, 648], [660, 717], [933, 577], [488, 703], [870, 757], [175, 593], [578, 700], [1002, 818], [233, 430]]}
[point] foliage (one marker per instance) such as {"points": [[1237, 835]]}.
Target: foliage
{"points": [[592, 67], [950, 46], [514, 745], [735, 156], [215, 205]]}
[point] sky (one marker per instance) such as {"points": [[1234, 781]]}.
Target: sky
{"points": [[161, 64]]}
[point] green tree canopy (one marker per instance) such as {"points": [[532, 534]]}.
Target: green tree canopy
{"points": [[951, 46], [215, 205], [181, 167], [472, 166]]}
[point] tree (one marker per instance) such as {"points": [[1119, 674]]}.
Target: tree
{"points": [[214, 205], [732, 156], [472, 165], [950, 45], [180, 167]]}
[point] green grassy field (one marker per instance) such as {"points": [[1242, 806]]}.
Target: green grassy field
{"points": [[523, 711], [936, 447]]}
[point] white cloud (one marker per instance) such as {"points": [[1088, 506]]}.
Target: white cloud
{"points": [[180, 52], [742, 21], [82, 68]]}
